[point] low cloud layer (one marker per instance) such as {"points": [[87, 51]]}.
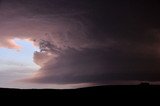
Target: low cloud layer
{"points": [[86, 41]]}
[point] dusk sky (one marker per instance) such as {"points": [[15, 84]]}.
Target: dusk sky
{"points": [[77, 43]]}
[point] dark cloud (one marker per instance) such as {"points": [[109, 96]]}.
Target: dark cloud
{"points": [[98, 66], [99, 40], [125, 46]]}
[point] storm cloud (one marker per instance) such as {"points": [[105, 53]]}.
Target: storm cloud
{"points": [[87, 41]]}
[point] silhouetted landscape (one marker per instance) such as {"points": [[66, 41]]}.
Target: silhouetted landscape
{"points": [[97, 91]]}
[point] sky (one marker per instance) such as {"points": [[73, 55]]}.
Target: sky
{"points": [[64, 44]]}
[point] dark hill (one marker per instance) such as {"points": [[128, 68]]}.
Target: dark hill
{"points": [[98, 91]]}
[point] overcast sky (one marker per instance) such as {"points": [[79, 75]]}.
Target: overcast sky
{"points": [[85, 42]]}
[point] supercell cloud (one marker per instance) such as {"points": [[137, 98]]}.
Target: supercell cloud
{"points": [[86, 41]]}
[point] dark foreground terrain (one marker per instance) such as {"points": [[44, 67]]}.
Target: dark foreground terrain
{"points": [[96, 96], [98, 91]]}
